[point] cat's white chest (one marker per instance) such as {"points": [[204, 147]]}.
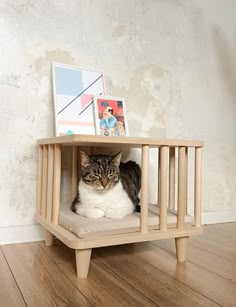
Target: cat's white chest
{"points": [[114, 203]]}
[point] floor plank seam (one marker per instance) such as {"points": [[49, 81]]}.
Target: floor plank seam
{"points": [[212, 253], [109, 269], [65, 274], [143, 275], [186, 285], [217, 231], [226, 244], [203, 268], [13, 276], [209, 239], [125, 281]]}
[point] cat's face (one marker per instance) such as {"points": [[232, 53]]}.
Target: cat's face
{"points": [[100, 171]]}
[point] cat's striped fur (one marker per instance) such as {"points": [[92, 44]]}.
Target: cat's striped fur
{"points": [[113, 186]]}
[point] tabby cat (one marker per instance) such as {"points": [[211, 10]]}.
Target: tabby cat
{"points": [[108, 188]]}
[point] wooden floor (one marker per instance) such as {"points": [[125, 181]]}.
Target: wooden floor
{"points": [[143, 274]]}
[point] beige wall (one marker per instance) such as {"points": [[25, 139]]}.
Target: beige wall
{"points": [[173, 61]]}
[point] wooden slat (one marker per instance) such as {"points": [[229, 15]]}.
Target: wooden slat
{"points": [[163, 188], [186, 178], [56, 183], [144, 189], [50, 183], [197, 187], [78, 164], [44, 180], [74, 183], [159, 177], [182, 192], [9, 292], [172, 178], [40, 179], [95, 140]]}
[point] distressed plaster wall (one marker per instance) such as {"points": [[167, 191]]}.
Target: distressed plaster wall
{"points": [[173, 61]]}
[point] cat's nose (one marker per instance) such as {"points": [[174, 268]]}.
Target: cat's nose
{"points": [[104, 182]]}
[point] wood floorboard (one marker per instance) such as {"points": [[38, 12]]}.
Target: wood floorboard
{"points": [[217, 235], [158, 286], [9, 292], [223, 251], [231, 244], [212, 286], [205, 259], [141, 274], [41, 281], [227, 228], [59, 253], [102, 286]]}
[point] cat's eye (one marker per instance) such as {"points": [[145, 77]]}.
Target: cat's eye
{"points": [[110, 174], [96, 173], [91, 177], [113, 177]]}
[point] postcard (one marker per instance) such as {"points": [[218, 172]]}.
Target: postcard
{"points": [[110, 116]]}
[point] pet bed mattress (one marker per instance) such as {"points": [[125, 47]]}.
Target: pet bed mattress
{"points": [[89, 228]]}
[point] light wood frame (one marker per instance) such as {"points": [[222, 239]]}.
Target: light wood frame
{"points": [[49, 185]]}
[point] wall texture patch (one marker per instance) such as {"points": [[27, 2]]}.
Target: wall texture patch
{"points": [[172, 61]]}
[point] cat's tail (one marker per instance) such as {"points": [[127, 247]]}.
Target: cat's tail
{"points": [[74, 203]]}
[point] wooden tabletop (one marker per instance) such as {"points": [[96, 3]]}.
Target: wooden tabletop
{"points": [[96, 140]]}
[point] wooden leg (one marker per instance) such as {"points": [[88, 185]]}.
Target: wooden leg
{"points": [[181, 248], [82, 257], [48, 238]]}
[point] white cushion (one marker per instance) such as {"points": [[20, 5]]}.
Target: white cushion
{"points": [[84, 227]]}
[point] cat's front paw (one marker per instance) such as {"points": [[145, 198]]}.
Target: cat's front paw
{"points": [[92, 213], [115, 214]]}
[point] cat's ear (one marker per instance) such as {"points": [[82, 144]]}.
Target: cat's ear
{"points": [[116, 159], [84, 159]]}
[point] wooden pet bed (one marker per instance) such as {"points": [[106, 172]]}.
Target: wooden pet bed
{"points": [[167, 220]]}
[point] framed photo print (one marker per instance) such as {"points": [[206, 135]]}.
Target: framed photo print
{"points": [[110, 116], [74, 89]]}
